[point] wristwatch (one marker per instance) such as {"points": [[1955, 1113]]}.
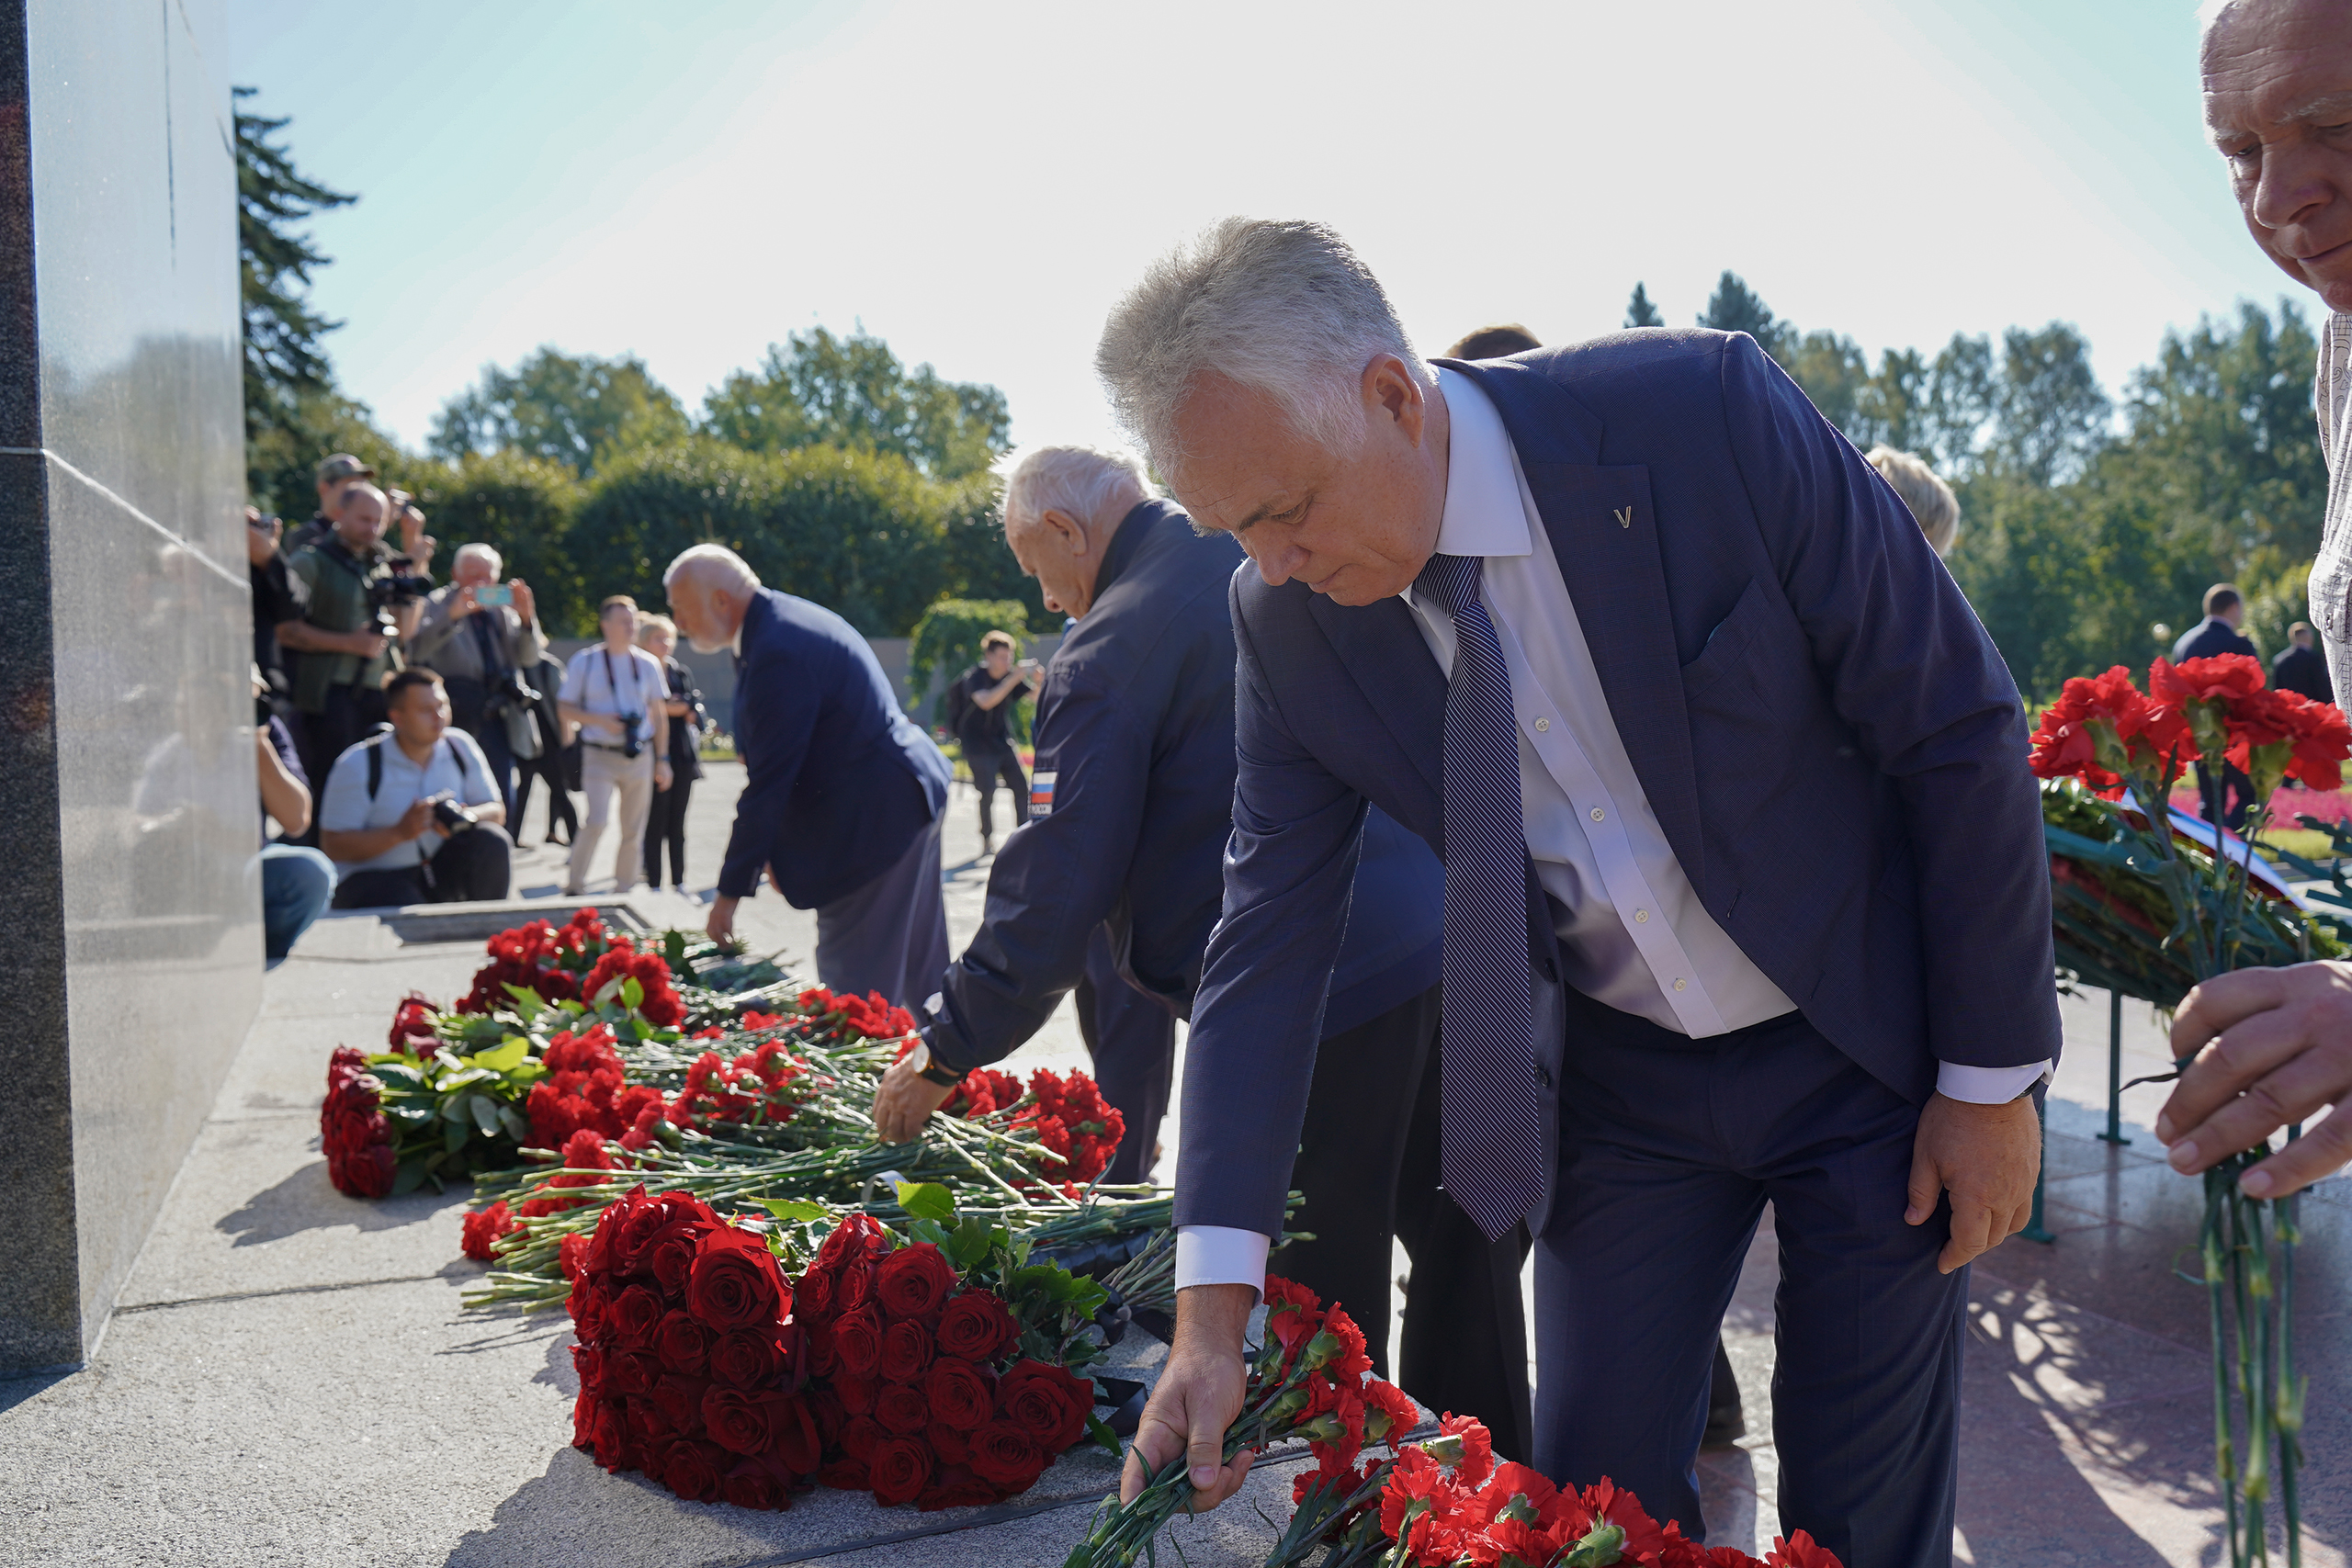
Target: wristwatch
{"points": [[930, 1071]]}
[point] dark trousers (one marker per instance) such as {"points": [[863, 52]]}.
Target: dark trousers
{"points": [[665, 823], [1368, 1163], [889, 936], [548, 767], [2227, 799], [1669, 1148], [987, 767], [1132, 1038], [469, 866], [500, 755], [348, 717]]}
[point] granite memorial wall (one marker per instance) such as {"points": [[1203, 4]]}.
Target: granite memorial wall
{"points": [[129, 820]]}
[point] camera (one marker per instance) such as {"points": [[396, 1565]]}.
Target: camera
{"points": [[511, 691], [452, 816], [402, 586], [631, 746]]}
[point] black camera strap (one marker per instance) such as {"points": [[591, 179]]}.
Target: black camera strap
{"points": [[375, 762], [636, 683]]}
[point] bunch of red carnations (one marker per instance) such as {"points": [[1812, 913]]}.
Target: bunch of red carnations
{"points": [[539, 957], [587, 1162], [690, 1368], [586, 1090], [1066, 1114], [918, 1380], [353, 1129], [1445, 1501], [2217, 710]]}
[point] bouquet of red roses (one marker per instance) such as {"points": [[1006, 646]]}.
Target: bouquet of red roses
{"points": [[931, 1386]]}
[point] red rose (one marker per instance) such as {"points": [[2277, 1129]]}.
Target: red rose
{"points": [[587, 1306], [735, 1283], [636, 1314], [949, 1444], [650, 1431], [1045, 1402], [692, 1470], [812, 1296], [906, 1351], [960, 1394], [589, 1362], [1006, 1456], [852, 1287], [858, 1436], [632, 1372], [793, 1440], [856, 1394], [682, 1344], [613, 1448], [914, 1280], [671, 1255], [826, 1407], [571, 1254], [746, 1357], [740, 1421], [857, 1343], [898, 1470], [976, 1326], [847, 1474], [367, 1172], [679, 1399], [956, 1487], [817, 1353], [753, 1486], [901, 1408]]}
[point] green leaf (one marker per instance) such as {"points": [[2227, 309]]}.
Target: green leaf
{"points": [[632, 993], [504, 1058], [396, 1072], [457, 1130], [673, 951], [527, 1000], [485, 1114], [793, 1208], [516, 1127], [1103, 1435], [929, 1231], [927, 1200], [409, 1178], [969, 1245]]}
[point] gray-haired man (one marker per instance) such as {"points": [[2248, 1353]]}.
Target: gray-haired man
{"points": [[2277, 77], [479, 636]]}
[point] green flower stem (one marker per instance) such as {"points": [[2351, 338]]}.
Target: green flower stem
{"points": [[2215, 1250]]}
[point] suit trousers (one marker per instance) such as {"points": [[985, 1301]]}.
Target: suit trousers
{"points": [[665, 824], [891, 934], [1131, 1039], [1670, 1150], [1369, 1167], [618, 788]]}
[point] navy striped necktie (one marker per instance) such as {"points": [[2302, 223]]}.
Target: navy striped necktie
{"points": [[1493, 1140]]}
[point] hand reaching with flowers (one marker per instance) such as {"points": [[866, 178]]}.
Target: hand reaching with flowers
{"points": [[905, 1101], [2287, 1052], [1198, 1395]]}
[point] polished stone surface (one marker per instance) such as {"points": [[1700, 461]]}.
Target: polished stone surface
{"points": [[131, 824]]}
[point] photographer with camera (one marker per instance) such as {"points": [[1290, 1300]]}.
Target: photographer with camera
{"points": [[411, 815], [484, 639], [617, 693], [362, 600]]}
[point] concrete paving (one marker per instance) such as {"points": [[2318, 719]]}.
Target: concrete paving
{"points": [[291, 1378]]}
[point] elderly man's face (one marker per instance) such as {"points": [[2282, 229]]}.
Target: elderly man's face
{"points": [[1057, 550], [2278, 105], [474, 571], [1357, 526]]}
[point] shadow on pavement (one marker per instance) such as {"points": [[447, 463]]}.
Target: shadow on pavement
{"points": [[305, 1201]]}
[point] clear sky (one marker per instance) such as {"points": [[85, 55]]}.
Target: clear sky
{"points": [[692, 181]]}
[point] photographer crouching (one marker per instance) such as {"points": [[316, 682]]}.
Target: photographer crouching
{"points": [[483, 638], [362, 600], [411, 815]]}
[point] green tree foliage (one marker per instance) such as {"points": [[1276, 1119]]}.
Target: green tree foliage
{"points": [[1640, 312], [289, 400], [2050, 416], [1736, 307], [853, 392], [524, 507], [946, 642], [571, 409]]}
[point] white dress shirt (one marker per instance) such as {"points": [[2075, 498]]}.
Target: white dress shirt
{"points": [[1633, 932]]}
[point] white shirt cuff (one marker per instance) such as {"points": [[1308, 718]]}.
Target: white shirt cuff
{"points": [[1220, 1255], [1979, 1086]]}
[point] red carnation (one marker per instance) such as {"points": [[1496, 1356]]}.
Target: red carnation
{"points": [[1007, 1456], [959, 1393], [975, 1327], [898, 1470], [914, 1281], [1045, 1400]]}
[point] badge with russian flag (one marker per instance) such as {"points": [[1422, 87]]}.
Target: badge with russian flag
{"points": [[1041, 794]]}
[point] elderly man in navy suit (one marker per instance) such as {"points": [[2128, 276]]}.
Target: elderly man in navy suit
{"points": [[1702, 732], [842, 801]]}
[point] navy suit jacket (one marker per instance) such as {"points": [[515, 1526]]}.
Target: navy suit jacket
{"points": [[1830, 742], [2211, 638], [839, 783]]}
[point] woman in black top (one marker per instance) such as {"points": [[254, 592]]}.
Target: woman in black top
{"points": [[658, 635]]}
